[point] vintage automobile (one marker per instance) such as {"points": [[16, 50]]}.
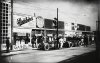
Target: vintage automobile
{"points": [[47, 45]]}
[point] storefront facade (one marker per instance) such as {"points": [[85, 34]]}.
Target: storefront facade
{"points": [[72, 29], [37, 26]]}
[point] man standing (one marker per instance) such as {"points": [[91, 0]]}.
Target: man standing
{"points": [[61, 41], [7, 44], [85, 41], [34, 41]]}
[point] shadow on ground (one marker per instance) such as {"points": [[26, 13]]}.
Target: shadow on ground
{"points": [[85, 58]]}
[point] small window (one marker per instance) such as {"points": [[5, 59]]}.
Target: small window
{"points": [[3, 34], [7, 5], [3, 20], [6, 27], [4, 11], [7, 21], [3, 4], [6, 14], [3, 14], [6, 31], [6, 17], [6, 8], [6, 24], [3, 24], [3, 31]]}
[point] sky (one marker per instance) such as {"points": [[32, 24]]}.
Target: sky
{"points": [[79, 11]]}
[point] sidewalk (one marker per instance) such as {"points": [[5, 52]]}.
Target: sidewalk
{"points": [[34, 49], [15, 52]]}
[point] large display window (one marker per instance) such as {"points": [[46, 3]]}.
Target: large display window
{"points": [[21, 37], [21, 40]]}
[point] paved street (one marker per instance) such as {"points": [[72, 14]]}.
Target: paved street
{"points": [[46, 56]]}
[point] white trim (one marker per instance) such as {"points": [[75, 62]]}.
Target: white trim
{"points": [[22, 30]]}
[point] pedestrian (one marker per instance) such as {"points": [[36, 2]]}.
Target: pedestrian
{"points": [[7, 44], [61, 41], [82, 40], [85, 41], [34, 41]]}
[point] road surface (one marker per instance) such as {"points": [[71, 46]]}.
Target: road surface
{"points": [[61, 55]]}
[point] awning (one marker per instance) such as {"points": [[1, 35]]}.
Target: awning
{"points": [[22, 30]]}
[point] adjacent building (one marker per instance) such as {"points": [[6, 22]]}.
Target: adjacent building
{"points": [[5, 21]]}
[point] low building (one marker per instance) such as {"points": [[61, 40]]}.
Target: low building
{"points": [[37, 26]]}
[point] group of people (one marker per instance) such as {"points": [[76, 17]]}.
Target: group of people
{"points": [[41, 39], [85, 40], [76, 40], [36, 40]]}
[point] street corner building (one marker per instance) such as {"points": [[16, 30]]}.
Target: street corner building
{"points": [[5, 22]]}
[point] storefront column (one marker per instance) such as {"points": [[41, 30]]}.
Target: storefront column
{"points": [[30, 36]]}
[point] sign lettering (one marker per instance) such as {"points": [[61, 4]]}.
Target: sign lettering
{"points": [[21, 21]]}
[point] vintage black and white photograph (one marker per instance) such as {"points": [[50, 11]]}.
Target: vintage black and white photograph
{"points": [[49, 31]]}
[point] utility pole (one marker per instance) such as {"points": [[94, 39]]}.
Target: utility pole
{"points": [[11, 24], [57, 27]]}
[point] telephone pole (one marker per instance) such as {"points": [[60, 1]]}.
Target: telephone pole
{"points": [[11, 24], [57, 27]]}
